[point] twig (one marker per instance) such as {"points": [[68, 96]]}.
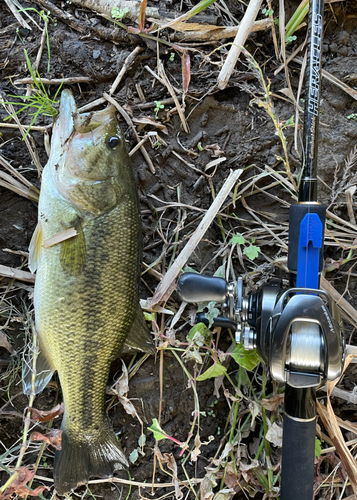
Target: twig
{"points": [[128, 61], [244, 29], [26, 138], [116, 35], [17, 14], [167, 285], [10, 272], [331, 78], [346, 308], [220, 33], [131, 125], [173, 95], [55, 81], [33, 127]]}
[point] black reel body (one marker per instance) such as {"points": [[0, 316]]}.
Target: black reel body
{"points": [[297, 332]]}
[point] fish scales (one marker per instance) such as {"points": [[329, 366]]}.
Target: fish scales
{"points": [[86, 300]]}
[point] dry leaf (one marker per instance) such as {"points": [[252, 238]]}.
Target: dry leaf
{"points": [[45, 416], [4, 342], [141, 20], [145, 120], [214, 149], [171, 464], [18, 486], [186, 70], [275, 435], [53, 438], [271, 404]]}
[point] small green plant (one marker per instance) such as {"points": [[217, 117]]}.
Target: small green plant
{"points": [[199, 146], [172, 56], [38, 99], [250, 250], [352, 116], [290, 39], [158, 107], [266, 103], [118, 14], [267, 12]]}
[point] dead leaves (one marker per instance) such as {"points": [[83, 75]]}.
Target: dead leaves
{"points": [[46, 416], [53, 438], [18, 485], [4, 342]]}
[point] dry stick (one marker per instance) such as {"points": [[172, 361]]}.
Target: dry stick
{"points": [[55, 81], [349, 200], [17, 14], [346, 308], [10, 272], [131, 125], [282, 49], [173, 95], [33, 154], [14, 172], [33, 127], [128, 61], [244, 29], [167, 285], [331, 78], [24, 443], [331, 424], [219, 33], [82, 26]]}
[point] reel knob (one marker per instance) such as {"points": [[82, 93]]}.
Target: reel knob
{"points": [[194, 287]]}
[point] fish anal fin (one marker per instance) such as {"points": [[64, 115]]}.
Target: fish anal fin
{"points": [[82, 457], [139, 337], [44, 372], [35, 248], [73, 252]]}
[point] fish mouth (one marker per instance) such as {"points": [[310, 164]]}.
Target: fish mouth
{"points": [[71, 122]]}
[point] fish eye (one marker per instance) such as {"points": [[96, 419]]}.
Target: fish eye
{"points": [[113, 141]]}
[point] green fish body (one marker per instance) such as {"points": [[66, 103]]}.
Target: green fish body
{"points": [[86, 299]]}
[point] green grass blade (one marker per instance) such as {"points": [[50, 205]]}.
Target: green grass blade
{"points": [[297, 18]]}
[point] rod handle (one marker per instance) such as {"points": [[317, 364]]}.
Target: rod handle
{"points": [[297, 463], [194, 287]]}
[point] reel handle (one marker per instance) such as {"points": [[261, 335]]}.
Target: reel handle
{"points": [[194, 287]]}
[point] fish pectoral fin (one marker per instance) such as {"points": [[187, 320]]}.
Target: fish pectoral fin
{"points": [[73, 252], [139, 337], [35, 248], [44, 372]]}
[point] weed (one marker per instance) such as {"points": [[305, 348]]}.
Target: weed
{"points": [[267, 104], [267, 12], [352, 116], [157, 108], [39, 99], [172, 56], [118, 14], [251, 250]]}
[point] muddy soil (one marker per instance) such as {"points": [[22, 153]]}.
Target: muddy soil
{"points": [[222, 124]]}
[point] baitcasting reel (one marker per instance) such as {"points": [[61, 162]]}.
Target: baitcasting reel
{"points": [[297, 331]]}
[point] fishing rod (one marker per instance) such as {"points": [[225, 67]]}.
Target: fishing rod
{"points": [[296, 331]]}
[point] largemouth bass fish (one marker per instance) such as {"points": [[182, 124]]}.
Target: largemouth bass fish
{"points": [[86, 302]]}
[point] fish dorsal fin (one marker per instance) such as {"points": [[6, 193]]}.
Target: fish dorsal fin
{"points": [[44, 372], [73, 252], [35, 248], [139, 337]]}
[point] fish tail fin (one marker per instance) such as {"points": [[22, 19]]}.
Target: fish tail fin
{"points": [[85, 456]]}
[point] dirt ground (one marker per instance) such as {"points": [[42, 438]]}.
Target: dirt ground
{"points": [[222, 124]]}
